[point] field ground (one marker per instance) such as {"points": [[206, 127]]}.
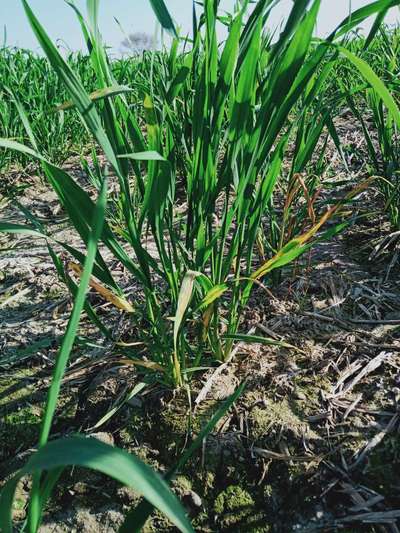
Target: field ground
{"points": [[312, 444]]}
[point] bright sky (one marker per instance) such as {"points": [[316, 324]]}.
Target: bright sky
{"points": [[135, 16]]}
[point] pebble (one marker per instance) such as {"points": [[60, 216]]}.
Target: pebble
{"points": [[197, 501], [298, 395], [102, 436]]}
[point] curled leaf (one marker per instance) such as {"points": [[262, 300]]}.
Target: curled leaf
{"points": [[117, 301], [97, 95]]}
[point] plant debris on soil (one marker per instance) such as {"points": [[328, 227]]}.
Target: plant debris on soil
{"points": [[312, 444]]}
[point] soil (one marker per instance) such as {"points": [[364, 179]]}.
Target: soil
{"points": [[311, 445]]}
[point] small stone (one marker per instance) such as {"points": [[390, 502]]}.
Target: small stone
{"points": [[128, 495], [292, 367], [80, 488], [102, 436], [113, 518], [299, 395], [197, 501]]}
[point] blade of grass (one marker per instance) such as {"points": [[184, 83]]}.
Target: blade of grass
{"points": [[96, 455], [255, 339], [136, 519], [163, 16], [95, 96], [67, 345], [375, 82], [185, 295]]}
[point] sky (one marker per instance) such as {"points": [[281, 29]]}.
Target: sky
{"points": [[135, 16]]}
